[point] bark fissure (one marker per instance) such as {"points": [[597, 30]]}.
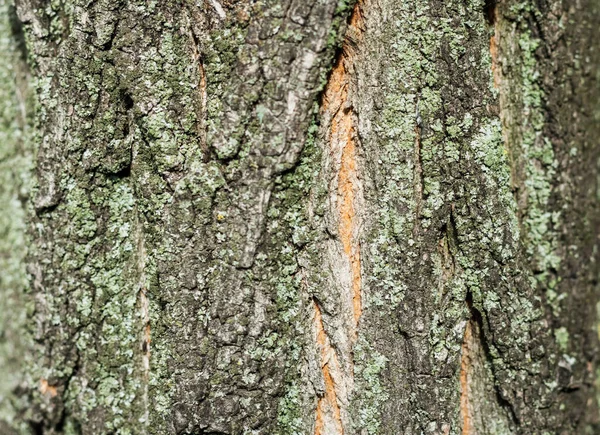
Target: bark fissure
{"points": [[145, 322], [479, 393], [342, 141], [465, 369], [489, 10], [328, 418], [202, 110], [419, 177], [348, 219]]}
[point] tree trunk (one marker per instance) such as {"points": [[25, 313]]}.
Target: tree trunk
{"points": [[299, 217]]}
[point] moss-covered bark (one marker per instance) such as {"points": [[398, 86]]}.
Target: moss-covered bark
{"points": [[300, 217]]}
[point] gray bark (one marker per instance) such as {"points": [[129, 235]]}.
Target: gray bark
{"points": [[299, 217]]}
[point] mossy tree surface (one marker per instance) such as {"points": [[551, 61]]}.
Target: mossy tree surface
{"points": [[299, 217]]}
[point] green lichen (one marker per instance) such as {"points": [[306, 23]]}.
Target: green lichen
{"points": [[291, 222], [290, 419], [562, 338], [540, 167], [373, 395]]}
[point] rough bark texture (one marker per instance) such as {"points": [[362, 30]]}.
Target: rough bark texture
{"points": [[299, 217]]}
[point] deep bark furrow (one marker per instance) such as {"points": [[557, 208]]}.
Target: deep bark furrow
{"points": [[341, 146], [328, 417]]}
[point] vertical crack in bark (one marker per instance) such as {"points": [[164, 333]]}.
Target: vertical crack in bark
{"points": [[202, 111], [492, 17], [490, 11], [145, 319], [328, 418], [418, 179], [446, 246], [343, 135], [348, 220], [494, 55], [482, 407], [466, 364], [203, 102], [342, 139]]}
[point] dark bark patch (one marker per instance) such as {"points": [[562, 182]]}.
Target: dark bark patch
{"points": [[489, 10]]}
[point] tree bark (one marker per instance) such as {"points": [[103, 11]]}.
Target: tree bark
{"points": [[299, 217]]}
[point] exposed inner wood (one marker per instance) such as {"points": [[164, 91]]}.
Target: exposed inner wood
{"points": [[494, 53], [47, 389], [328, 418], [145, 319], [342, 136], [348, 221], [466, 365]]}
